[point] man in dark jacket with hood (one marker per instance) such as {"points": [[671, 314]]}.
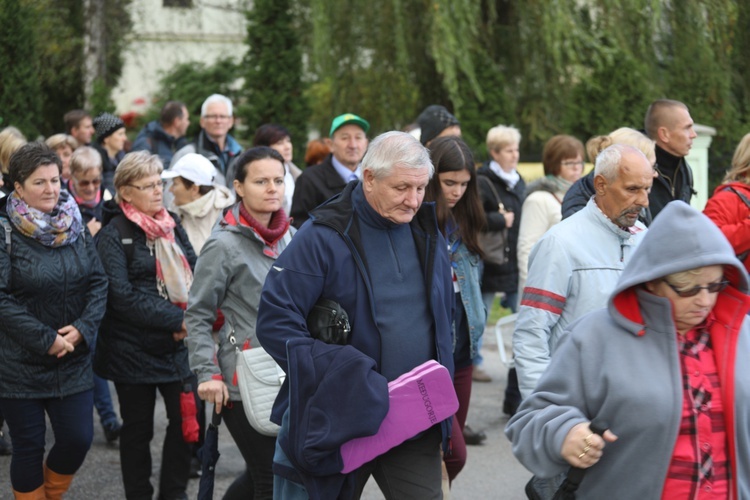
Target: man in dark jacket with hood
{"points": [[166, 136], [376, 250]]}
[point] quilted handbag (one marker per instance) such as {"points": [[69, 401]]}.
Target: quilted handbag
{"points": [[259, 379]]}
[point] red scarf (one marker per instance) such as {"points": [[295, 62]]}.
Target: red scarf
{"points": [[277, 226]]}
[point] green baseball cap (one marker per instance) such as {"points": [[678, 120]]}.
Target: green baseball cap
{"points": [[342, 120]]}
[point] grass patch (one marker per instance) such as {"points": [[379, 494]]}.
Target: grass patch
{"points": [[496, 312]]}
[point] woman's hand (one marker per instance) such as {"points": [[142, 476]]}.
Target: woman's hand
{"points": [[582, 448], [509, 218], [181, 335], [214, 391], [94, 226], [60, 347], [71, 334]]}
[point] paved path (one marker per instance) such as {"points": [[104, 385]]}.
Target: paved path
{"points": [[491, 472]]}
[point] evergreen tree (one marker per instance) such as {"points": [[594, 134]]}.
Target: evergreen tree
{"points": [[192, 83], [19, 83], [274, 91]]}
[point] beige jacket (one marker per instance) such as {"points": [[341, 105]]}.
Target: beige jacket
{"points": [[199, 216]]}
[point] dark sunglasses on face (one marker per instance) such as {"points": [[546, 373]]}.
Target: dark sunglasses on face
{"points": [[692, 292], [85, 184]]}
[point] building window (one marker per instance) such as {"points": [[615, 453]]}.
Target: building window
{"points": [[178, 3]]}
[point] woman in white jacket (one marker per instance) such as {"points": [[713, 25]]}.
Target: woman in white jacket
{"points": [[197, 200], [563, 165]]}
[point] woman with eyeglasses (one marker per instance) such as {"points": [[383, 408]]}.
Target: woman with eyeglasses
{"points": [[85, 185], [562, 159], [149, 261], [664, 368]]}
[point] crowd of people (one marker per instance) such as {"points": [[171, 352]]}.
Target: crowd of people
{"points": [[151, 265]]}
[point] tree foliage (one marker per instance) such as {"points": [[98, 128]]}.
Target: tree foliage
{"points": [[192, 83], [41, 45], [19, 83], [546, 66], [273, 91]]}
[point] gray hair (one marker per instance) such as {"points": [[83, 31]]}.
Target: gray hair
{"points": [[216, 98], [85, 158], [135, 166], [396, 149], [608, 161]]}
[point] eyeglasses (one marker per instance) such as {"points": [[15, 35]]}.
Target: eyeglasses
{"points": [[148, 187], [572, 163], [85, 184], [692, 292], [217, 117]]}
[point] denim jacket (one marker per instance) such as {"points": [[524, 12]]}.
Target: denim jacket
{"points": [[468, 268]]}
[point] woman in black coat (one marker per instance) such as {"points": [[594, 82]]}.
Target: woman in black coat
{"points": [[149, 261], [500, 182], [52, 298]]}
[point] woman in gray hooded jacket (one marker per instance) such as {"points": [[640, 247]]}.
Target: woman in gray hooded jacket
{"points": [[229, 276], [663, 367]]}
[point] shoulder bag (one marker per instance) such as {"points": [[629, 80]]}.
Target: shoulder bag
{"points": [[259, 379], [495, 243]]}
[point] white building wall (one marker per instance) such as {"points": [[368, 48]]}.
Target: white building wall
{"points": [[163, 37]]}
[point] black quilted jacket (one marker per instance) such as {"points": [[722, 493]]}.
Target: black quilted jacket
{"points": [[43, 289], [135, 340]]}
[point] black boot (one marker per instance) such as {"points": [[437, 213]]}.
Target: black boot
{"points": [[472, 437], [512, 394]]}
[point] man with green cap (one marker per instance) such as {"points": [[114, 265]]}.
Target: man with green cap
{"points": [[321, 182]]}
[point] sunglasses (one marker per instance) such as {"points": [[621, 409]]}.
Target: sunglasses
{"points": [[84, 184], [692, 292]]}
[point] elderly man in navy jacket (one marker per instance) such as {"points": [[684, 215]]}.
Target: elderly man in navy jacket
{"points": [[377, 251]]}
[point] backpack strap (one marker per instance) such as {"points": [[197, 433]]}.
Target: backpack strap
{"points": [[126, 230], [7, 229], [742, 256], [744, 198]]}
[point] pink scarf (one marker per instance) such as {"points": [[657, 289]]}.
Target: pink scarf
{"points": [[81, 202], [173, 273]]}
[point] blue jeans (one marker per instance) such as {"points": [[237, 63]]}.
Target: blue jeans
{"points": [[72, 422], [102, 398], [103, 402]]}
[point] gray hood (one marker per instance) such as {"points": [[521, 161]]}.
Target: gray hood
{"points": [[680, 238]]}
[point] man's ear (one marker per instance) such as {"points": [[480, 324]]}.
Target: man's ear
{"points": [[663, 134], [600, 185], [367, 179]]}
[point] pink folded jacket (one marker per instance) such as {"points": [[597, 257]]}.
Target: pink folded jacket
{"points": [[418, 400]]}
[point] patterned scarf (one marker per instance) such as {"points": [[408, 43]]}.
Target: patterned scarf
{"points": [[58, 228], [173, 273]]}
